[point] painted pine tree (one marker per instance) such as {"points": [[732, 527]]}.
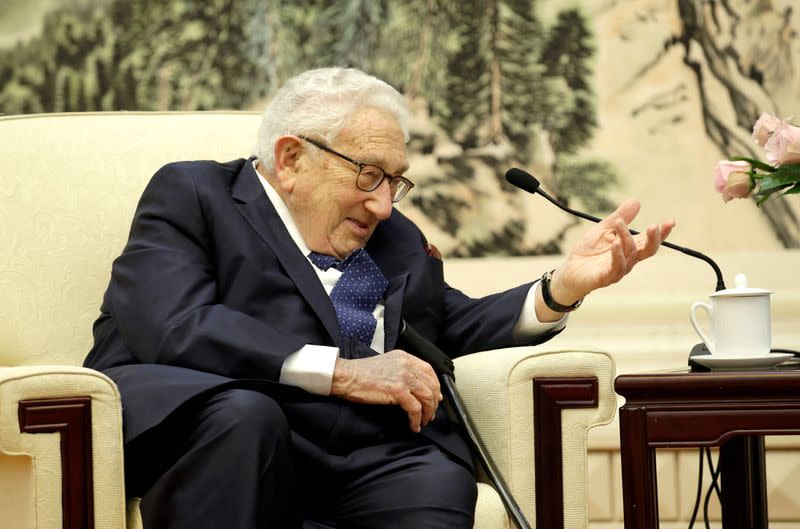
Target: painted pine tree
{"points": [[567, 56], [495, 86], [521, 79], [506, 89], [466, 95]]}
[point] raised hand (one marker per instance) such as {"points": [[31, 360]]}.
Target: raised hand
{"points": [[606, 253], [395, 377]]}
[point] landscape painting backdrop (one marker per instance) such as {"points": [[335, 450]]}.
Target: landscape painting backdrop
{"points": [[601, 99]]}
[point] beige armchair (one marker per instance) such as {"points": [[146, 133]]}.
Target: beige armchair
{"points": [[69, 184]]}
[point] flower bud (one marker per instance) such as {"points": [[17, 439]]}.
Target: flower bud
{"points": [[738, 185], [723, 173]]}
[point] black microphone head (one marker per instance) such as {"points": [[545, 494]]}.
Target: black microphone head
{"points": [[521, 179]]}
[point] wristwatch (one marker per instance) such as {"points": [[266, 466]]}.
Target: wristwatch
{"points": [[548, 297]]}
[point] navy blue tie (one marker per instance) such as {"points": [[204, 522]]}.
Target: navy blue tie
{"points": [[356, 293]]}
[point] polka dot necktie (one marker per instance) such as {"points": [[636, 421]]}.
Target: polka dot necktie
{"points": [[356, 293]]}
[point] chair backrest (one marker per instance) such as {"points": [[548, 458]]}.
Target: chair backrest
{"points": [[69, 184]]}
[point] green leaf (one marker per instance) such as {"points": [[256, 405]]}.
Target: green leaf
{"points": [[755, 163], [791, 169], [782, 177], [794, 190], [763, 195]]}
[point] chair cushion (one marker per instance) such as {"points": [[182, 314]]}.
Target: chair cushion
{"points": [[69, 186], [489, 512]]}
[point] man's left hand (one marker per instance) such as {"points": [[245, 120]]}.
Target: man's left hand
{"points": [[603, 256]]}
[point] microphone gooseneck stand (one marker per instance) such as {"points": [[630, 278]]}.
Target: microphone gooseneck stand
{"points": [[443, 365], [527, 182]]}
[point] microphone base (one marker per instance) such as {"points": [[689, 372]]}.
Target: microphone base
{"points": [[699, 349]]}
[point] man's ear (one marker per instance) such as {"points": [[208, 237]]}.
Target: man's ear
{"points": [[288, 150]]}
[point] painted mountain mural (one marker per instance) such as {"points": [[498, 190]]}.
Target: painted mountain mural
{"points": [[601, 99]]}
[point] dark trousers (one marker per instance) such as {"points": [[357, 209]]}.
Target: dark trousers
{"points": [[233, 463]]}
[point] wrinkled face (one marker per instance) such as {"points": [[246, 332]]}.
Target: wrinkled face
{"points": [[333, 215]]}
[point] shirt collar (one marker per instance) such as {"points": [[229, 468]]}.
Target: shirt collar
{"points": [[283, 213]]}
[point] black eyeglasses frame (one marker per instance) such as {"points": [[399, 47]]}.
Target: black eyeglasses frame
{"points": [[401, 190]]}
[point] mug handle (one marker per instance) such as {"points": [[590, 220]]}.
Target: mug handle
{"points": [[692, 310]]}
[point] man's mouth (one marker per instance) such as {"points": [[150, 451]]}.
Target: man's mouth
{"points": [[360, 227]]}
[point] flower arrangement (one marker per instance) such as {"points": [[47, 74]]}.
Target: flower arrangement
{"points": [[742, 177]]}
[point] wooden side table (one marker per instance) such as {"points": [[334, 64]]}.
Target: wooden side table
{"points": [[732, 410]]}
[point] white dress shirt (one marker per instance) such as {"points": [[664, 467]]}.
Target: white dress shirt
{"points": [[311, 367]]}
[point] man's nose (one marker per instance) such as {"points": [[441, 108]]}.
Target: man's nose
{"points": [[379, 202]]}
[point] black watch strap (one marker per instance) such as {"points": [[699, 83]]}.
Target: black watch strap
{"points": [[548, 297]]}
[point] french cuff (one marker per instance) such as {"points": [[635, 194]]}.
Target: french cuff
{"points": [[310, 368], [528, 325]]}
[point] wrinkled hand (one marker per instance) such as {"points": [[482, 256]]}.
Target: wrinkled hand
{"points": [[606, 253], [395, 377]]}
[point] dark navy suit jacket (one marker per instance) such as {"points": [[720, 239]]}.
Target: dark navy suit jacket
{"points": [[211, 291]]}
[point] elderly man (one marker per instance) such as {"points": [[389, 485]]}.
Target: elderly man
{"points": [[252, 320]]}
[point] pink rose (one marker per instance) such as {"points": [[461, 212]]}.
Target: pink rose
{"points": [[738, 185], [732, 179], [764, 127], [783, 147]]}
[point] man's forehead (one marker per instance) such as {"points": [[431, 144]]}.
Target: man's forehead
{"points": [[375, 136], [377, 153], [368, 123]]}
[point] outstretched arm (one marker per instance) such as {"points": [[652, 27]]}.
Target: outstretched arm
{"points": [[603, 256]]}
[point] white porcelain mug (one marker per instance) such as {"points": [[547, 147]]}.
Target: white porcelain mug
{"points": [[740, 321]]}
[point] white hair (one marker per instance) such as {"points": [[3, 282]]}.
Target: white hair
{"points": [[318, 102]]}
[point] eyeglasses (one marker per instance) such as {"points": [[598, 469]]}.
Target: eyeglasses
{"points": [[370, 176]]}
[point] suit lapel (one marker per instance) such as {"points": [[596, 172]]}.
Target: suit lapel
{"points": [[393, 314], [392, 266], [259, 212]]}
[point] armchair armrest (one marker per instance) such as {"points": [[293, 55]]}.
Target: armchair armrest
{"points": [[533, 409], [60, 449]]}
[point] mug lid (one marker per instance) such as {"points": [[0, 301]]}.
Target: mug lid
{"points": [[741, 289]]}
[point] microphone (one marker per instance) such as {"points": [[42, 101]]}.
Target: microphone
{"points": [[527, 182]]}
